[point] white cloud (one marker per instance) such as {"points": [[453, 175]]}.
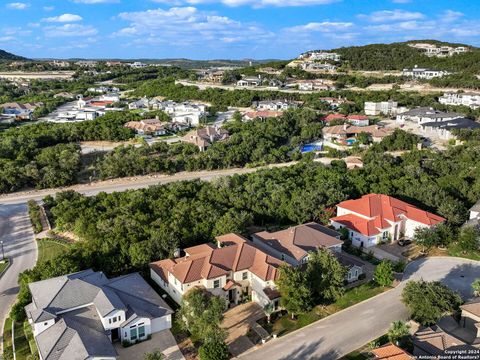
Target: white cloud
{"points": [[64, 18], [17, 6], [49, 8], [95, 1], [69, 30], [254, 3], [325, 26], [392, 15], [181, 26], [450, 15]]}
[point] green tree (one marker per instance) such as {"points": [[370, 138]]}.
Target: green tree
{"points": [[269, 309], [296, 295], [383, 274], [325, 276], [476, 287], [425, 237], [200, 314], [398, 332], [468, 239], [156, 355], [429, 301], [214, 350]]}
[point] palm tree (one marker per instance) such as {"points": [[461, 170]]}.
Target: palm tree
{"points": [[399, 330], [269, 309], [476, 287]]}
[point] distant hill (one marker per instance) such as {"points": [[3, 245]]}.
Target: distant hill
{"points": [[9, 56], [397, 56]]}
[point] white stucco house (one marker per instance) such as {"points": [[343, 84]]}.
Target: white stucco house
{"points": [[233, 269], [376, 218], [79, 316]]}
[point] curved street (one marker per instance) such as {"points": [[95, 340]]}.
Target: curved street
{"points": [[348, 330], [19, 245]]}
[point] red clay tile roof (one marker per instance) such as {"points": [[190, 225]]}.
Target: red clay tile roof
{"points": [[208, 262], [358, 224], [297, 241], [385, 207], [357, 117], [391, 352], [331, 117]]}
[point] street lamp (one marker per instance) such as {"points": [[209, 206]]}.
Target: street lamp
{"points": [[1, 245]]}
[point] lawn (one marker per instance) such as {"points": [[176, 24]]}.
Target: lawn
{"points": [[3, 265], [454, 250], [22, 347], [285, 324], [48, 249]]}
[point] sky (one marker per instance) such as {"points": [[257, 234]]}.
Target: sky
{"points": [[224, 29]]}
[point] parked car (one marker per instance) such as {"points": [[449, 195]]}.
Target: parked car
{"points": [[404, 242]]}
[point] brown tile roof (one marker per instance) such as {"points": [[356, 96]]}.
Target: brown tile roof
{"points": [[344, 130], [297, 241], [208, 262], [434, 341], [391, 352], [204, 137], [147, 125], [472, 307]]}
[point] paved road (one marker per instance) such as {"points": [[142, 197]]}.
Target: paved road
{"points": [[350, 329], [138, 182], [19, 245]]}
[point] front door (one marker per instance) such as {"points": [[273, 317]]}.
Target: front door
{"points": [[115, 335], [231, 295]]}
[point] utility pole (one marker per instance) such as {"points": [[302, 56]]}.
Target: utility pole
{"points": [[3, 254]]}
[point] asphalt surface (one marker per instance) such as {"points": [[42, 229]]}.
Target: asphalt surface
{"points": [[348, 330], [19, 245]]}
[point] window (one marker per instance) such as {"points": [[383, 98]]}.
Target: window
{"points": [[283, 256], [141, 331], [45, 324], [133, 334], [216, 284], [245, 276], [109, 321]]}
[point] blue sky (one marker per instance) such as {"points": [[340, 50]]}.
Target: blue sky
{"points": [[234, 29]]}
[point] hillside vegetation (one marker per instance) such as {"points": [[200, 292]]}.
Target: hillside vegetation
{"points": [[4, 55], [397, 56]]}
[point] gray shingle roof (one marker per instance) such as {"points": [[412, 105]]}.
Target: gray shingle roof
{"points": [[79, 334], [460, 123], [429, 112]]}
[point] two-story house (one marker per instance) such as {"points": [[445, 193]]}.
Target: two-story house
{"points": [[294, 244], [233, 270], [78, 316], [375, 218]]}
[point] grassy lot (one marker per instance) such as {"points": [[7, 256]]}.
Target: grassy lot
{"points": [[454, 250], [48, 249], [3, 265], [7, 340], [355, 355], [22, 347], [27, 329], [285, 324]]}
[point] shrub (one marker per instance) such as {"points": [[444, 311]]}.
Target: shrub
{"points": [[214, 350]]}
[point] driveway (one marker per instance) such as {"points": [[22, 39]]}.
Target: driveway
{"points": [[19, 245], [162, 341], [347, 330], [237, 321]]}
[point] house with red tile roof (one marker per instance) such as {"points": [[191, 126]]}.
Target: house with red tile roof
{"points": [[390, 352], [375, 218], [233, 269]]}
